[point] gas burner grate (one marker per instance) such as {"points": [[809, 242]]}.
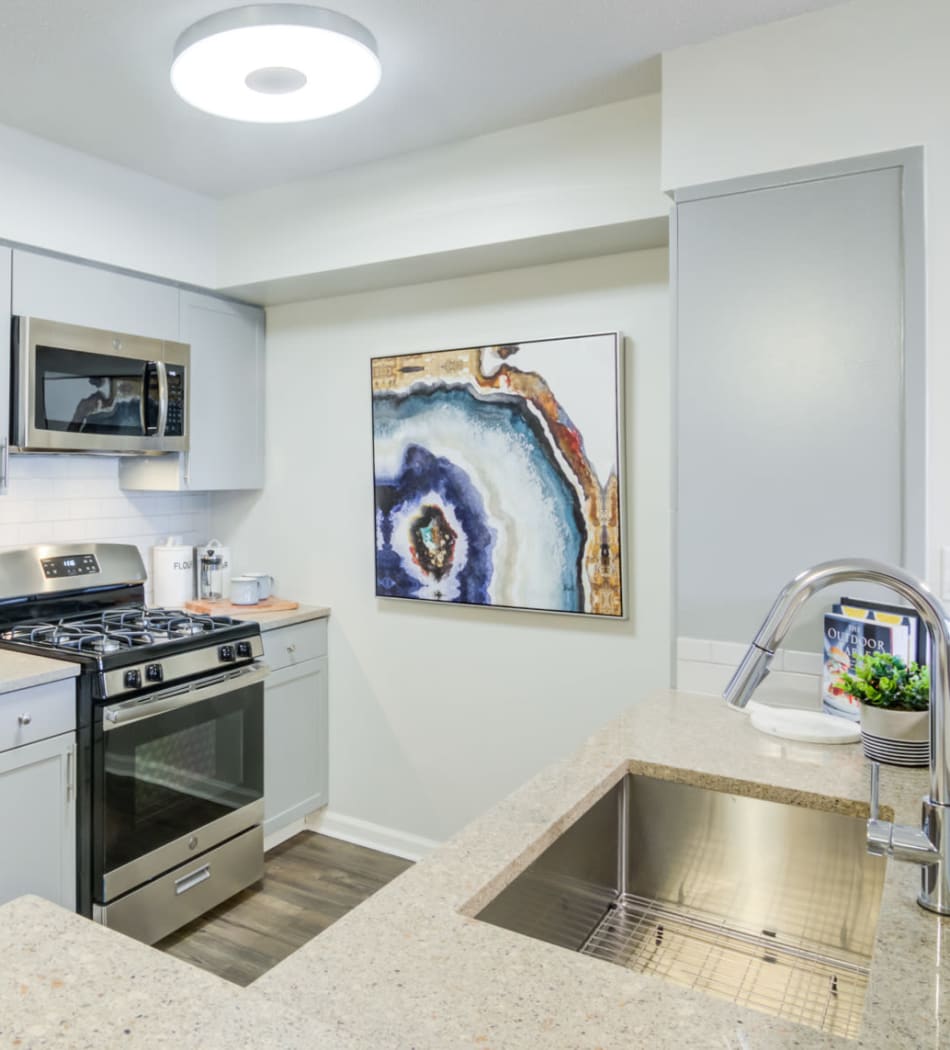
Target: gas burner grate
{"points": [[112, 630]]}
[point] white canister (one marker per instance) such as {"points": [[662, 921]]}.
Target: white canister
{"points": [[217, 548], [173, 573]]}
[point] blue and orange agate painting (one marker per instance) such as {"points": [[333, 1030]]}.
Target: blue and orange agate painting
{"points": [[497, 475]]}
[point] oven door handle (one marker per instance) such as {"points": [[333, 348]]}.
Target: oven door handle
{"points": [[155, 704]]}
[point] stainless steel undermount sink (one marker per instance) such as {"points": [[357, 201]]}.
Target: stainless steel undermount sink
{"points": [[766, 904]]}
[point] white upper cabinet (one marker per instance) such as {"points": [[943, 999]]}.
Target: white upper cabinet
{"points": [[226, 383], [227, 392], [77, 293], [226, 403]]}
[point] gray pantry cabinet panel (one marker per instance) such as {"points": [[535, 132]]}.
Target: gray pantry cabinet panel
{"points": [[790, 410], [295, 726], [226, 409], [84, 294], [6, 257], [38, 820]]}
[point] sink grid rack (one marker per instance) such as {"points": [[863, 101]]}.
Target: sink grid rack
{"points": [[752, 969]]}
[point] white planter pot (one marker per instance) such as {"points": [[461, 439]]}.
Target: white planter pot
{"points": [[899, 738]]}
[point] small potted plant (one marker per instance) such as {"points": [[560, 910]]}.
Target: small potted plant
{"points": [[895, 702]]}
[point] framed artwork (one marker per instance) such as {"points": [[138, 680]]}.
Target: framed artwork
{"points": [[498, 475]]}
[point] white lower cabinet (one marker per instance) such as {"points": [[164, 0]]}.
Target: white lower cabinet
{"points": [[295, 724], [38, 820]]}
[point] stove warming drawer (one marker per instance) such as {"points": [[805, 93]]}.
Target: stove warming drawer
{"points": [[163, 905]]}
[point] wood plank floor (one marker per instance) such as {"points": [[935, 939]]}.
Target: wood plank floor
{"points": [[309, 882]]}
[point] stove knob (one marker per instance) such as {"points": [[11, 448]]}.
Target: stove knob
{"points": [[244, 650], [133, 679], [226, 653], [154, 673]]}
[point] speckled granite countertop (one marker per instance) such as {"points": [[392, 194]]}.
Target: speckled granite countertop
{"points": [[410, 967], [66, 982], [269, 621], [21, 670]]}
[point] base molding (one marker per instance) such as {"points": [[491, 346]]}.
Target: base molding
{"points": [[373, 836], [275, 838]]}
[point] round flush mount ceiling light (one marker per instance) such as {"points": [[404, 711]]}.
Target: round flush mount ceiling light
{"points": [[275, 63]]}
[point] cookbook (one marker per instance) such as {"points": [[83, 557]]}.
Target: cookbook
{"points": [[845, 639]]}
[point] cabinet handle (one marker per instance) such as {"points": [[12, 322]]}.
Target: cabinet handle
{"points": [[292, 648], [69, 773], [4, 463], [25, 719]]}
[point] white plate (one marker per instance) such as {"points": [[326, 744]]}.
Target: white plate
{"points": [[813, 727]]}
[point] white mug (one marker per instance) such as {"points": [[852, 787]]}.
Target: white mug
{"points": [[245, 590], [265, 584]]}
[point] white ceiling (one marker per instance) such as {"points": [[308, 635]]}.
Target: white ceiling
{"points": [[93, 74]]}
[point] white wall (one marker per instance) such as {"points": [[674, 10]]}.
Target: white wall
{"points": [[66, 201], [858, 78], [437, 712], [581, 171], [68, 499]]}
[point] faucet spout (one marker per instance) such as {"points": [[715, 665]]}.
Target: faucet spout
{"points": [[748, 676], [902, 842]]}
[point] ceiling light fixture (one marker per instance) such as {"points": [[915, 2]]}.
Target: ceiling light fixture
{"points": [[275, 63]]}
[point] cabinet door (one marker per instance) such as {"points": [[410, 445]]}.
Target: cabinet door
{"points": [[5, 262], [295, 743], [226, 404], [38, 821], [791, 374], [79, 293], [227, 393]]}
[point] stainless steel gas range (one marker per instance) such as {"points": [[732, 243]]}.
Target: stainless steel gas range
{"points": [[170, 734]]}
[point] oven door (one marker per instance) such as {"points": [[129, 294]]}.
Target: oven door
{"points": [[178, 771], [84, 389]]}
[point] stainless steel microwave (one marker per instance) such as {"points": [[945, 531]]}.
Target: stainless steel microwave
{"points": [[79, 389]]}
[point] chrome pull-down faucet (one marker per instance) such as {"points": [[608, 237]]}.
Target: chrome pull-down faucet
{"points": [[928, 845]]}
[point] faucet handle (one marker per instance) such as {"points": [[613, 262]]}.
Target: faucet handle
{"points": [[875, 789]]}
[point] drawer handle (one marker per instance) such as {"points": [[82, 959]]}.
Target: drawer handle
{"points": [[292, 648], [194, 878], [25, 719]]}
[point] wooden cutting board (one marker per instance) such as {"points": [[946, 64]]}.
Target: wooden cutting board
{"points": [[223, 607]]}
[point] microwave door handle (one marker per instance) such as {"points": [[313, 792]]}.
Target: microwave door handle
{"points": [[162, 397], [150, 366]]}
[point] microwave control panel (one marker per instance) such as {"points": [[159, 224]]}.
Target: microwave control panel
{"points": [[175, 420], [74, 565]]}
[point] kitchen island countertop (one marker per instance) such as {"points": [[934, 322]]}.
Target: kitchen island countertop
{"points": [[412, 968]]}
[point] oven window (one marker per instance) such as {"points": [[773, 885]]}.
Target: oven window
{"points": [[90, 393], [169, 775]]}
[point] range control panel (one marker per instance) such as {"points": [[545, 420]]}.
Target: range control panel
{"points": [[74, 565]]}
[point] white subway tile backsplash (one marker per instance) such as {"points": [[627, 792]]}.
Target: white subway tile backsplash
{"points": [[705, 666], [17, 510], [697, 677], [694, 649], [72, 499], [728, 652], [802, 663]]}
